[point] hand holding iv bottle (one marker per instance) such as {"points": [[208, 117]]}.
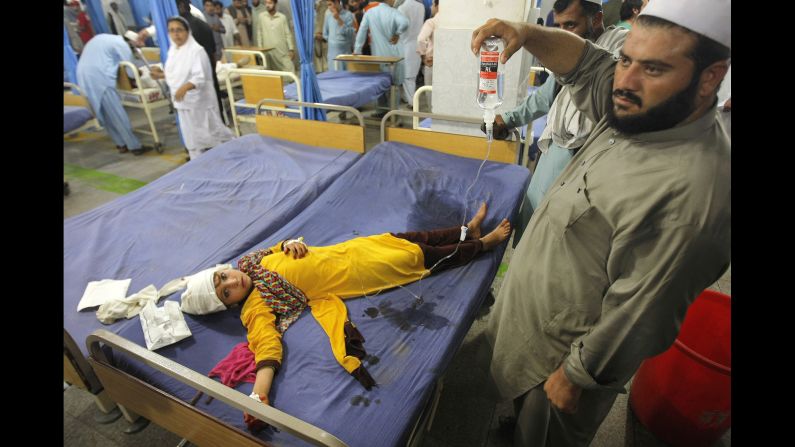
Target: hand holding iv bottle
{"points": [[490, 81]]}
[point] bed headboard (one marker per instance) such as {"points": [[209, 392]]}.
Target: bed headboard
{"points": [[247, 57], [364, 63], [310, 132], [151, 54], [258, 87], [70, 99], [123, 80], [505, 151]]}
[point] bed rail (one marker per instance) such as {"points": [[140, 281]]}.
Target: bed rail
{"points": [[415, 106], [313, 133], [311, 105], [210, 387], [502, 150]]}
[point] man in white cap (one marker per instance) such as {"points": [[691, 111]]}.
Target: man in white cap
{"points": [[635, 227], [567, 128]]}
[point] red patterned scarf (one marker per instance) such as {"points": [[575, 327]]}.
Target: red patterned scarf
{"points": [[286, 300]]}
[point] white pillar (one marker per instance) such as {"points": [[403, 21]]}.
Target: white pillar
{"points": [[455, 68]]}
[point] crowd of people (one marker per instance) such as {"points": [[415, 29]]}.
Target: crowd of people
{"points": [[341, 27]]}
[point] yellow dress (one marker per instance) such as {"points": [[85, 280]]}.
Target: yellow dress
{"points": [[327, 275]]}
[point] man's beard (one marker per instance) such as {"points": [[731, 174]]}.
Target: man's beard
{"points": [[663, 116], [589, 34]]}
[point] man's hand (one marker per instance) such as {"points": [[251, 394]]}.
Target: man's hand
{"points": [[291, 53], [394, 39], [512, 33], [500, 129], [319, 36], [142, 36], [561, 393], [429, 61], [298, 249]]}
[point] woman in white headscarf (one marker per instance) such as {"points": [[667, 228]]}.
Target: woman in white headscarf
{"points": [[189, 77]]}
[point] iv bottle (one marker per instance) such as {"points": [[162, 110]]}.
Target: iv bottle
{"points": [[490, 80]]}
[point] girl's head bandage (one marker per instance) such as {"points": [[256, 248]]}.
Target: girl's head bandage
{"points": [[199, 298]]}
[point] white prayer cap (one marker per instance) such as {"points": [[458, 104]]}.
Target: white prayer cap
{"points": [[199, 298], [710, 18]]}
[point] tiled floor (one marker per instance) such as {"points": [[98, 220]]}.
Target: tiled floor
{"points": [[464, 416]]}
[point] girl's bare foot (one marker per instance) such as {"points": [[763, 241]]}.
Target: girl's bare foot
{"points": [[497, 235], [474, 225]]}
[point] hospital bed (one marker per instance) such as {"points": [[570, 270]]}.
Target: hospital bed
{"points": [[396, 186], [139, 97], [372, 64], [259, 85], [203, 212], [362, 83], [78, 115], [244, 58]]}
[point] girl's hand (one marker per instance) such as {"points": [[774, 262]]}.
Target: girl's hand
{"points": [[296, 247]]}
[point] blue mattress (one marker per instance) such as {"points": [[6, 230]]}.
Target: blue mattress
{"points": [[345, 88], [74, 117], [342, 88], [394, 187], [202, 213]]}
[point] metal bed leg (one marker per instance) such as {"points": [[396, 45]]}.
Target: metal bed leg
{"points": [[437, 397], [157, 145], [110, 412]]}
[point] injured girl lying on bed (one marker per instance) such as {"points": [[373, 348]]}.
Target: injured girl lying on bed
{"points": [[277, 284]]}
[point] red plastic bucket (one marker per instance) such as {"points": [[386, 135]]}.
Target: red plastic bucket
{"points": [[683, 396]]}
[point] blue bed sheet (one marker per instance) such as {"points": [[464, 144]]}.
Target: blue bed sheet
{"points": [[394, 187], [202, 213], [342, 88], [345, 88], [74, 117]]}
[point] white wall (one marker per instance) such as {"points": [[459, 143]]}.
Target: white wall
{"points": [[455, 67]]}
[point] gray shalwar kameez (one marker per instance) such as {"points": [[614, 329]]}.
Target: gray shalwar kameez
{"points": [[632, 231]]}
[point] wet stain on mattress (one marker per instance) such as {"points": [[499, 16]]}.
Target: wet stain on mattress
{"points": [[414, 316]]}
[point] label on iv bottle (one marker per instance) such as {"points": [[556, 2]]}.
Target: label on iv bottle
{"points": [[488, 71]]}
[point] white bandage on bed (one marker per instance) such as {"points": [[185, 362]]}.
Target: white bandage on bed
{"points": [[163, 326]]}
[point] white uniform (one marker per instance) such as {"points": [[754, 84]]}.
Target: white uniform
{"points": [[199, 118], [414, 10]]}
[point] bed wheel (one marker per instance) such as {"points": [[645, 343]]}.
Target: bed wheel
{"points": [[139, 424], [159, 148], [107, 418]]}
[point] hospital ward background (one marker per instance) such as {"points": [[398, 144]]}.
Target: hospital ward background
{"points": [[308, 120]]}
